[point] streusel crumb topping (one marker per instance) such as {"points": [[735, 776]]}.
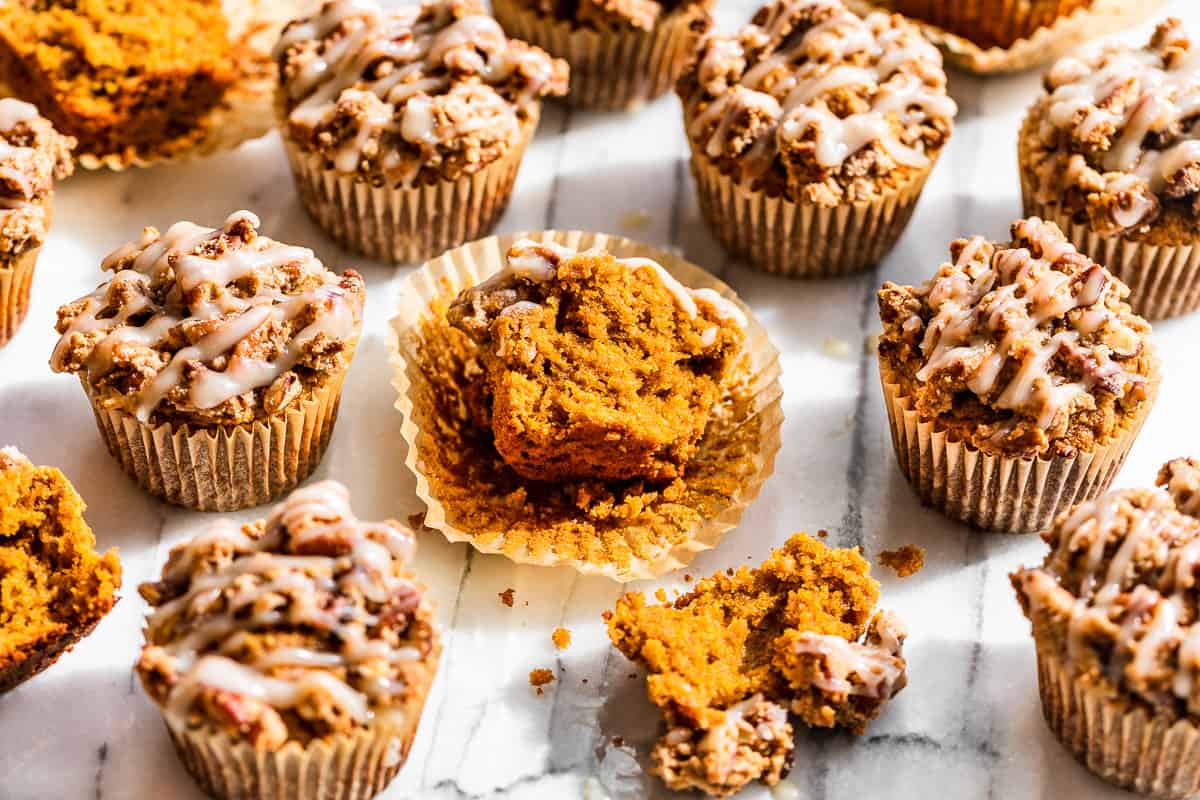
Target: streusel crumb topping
{"points": [[411, 93], [1117, 134], [1020, 347], [1116, 595], [814, 102], [32, 156], [212, 325]]}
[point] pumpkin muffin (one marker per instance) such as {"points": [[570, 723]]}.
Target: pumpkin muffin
{"points": [[291, 657], [622, 53], [214, 360], [731, 659], [812, 132], [1117, 630], [1016, 378], [1111, 152], [55, 587], [401, 151], [137, 81], [33, 155]]}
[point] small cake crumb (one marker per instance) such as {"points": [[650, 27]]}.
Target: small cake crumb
{"points": [[561, 638], [822, 533], [687, 578], [836, 348], [904, 561], [539, 678], [660, 595], [506, 597]]}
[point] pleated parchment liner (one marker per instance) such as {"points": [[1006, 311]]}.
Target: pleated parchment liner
{"points": [[1045, 45], [1164, 280], [355, 766], [223, 468], [610, 69], [471, 496], [1114, 737], [407, 224], [997, 493], [802, 239], [16, 278], [246, 111]]}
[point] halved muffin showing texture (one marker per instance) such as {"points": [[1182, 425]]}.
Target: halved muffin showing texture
{"points": [[54, 586]]}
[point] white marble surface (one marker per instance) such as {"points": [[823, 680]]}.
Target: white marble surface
{"points": [[969, 724]]}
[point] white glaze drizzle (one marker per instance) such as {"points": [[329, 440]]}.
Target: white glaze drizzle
{"points": [[14, 112], [862, 668]]}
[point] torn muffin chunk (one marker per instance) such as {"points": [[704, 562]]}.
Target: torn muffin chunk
{"points": [[730, 660], [597, 367], [33, 155]]}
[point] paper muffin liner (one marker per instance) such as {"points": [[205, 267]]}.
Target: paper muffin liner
{"points": [[16, 278], [1006, 494], [611, 69], [223, 468], [406, 224], [471, 264], [1114, 737], [1030, 50], [802, 239]]}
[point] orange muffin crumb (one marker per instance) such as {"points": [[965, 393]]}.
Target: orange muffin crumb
{"points": [[904, 561], [540, 677], [55, 587], [506, 597], [561, 638]]}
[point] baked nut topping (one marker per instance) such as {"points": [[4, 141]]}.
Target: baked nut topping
{"points": [[597, 367], [32, 156], [302, 626], [815, 103], [410, 94], [1023, 348], [211, 326], [1116, 137], [1116, 595]]}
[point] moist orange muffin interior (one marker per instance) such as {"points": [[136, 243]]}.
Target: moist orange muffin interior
{"points": [[118, 74], [52, 581]]}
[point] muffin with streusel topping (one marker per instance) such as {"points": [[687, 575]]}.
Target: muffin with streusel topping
{"points": [[1111, 153], [622, 53], [33, 155], [405, 128], [1016, 378], [1117, 629], [291, 657], [812, 133], [214, 360]]}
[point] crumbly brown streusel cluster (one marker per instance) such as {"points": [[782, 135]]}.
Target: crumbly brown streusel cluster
{"points": [[411, 94], [813, 102], [612, 14], [1116, 596], [1114, 138], [1023, 348], [32, 156]]}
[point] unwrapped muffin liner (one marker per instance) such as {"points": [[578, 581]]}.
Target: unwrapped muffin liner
{"points": [[16, 278], [802, 239], [406, 224], [615, 68], [1044, 45], [223, 468], [1007, 494], [1114, 737], [468, 266]]}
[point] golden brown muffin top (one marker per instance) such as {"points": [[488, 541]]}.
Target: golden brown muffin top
{"points": [[816, 103], [614, 15], [302, 626], [1117, 134], [210, 325], [411, 94], [1117, 594], [32, 156], [1022, 348]]}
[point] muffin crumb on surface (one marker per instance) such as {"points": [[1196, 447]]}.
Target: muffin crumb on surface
{"points": [[905, 561], [561, 638]]}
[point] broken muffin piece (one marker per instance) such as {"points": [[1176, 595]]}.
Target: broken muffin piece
{"points": [[56, 588], [799, 634], [597, 367]]}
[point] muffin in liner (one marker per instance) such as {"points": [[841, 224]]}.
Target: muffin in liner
{"points": [[16, 278], [223, 468], [407, 224], [611, 69], [737, 452], [1007, 494], [802, 239], [1033, 45]]}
